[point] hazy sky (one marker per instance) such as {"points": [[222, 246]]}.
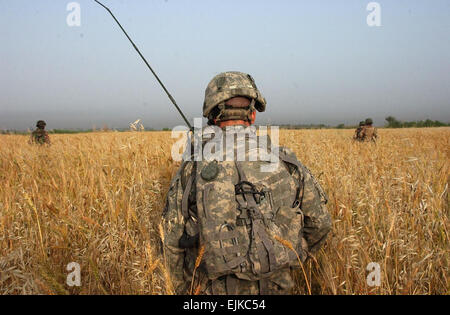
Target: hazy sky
{"points": [[314, 61]]}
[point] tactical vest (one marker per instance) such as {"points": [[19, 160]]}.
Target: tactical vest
{"points": [[39, 136], [250, 221], [368, 134]]}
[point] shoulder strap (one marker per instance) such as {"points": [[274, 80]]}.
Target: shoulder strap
{"points": [[185, 198], [288, 159]]}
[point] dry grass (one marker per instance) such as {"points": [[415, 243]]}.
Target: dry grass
{"points": [[96, 199]]}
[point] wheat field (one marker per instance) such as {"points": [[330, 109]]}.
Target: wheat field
{"points": [[96, 199]]}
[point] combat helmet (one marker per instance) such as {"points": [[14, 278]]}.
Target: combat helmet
{"points": [[361, 123], [41, 124], [230, 84], [369, 121]]}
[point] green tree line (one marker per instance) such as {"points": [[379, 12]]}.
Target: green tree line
{"points": [[392, 122]]}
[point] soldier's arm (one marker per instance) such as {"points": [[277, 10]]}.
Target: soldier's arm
{"points": [[173, 225], [47, 138], [317, 221], [362, 133], [317, 218]]}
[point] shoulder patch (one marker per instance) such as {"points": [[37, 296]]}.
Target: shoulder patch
{"points": [[319, 188]]}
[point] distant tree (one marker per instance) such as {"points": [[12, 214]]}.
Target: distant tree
{"points": [[393, 122], [437, 123], [409, 124], [340, 126], [429, 123]]}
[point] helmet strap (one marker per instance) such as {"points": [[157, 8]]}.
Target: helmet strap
{"points": [[229, 113]]}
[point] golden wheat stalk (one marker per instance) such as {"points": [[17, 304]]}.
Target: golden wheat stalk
{"points": [[289, 245], [197, 290], [201, 252], [32, 206]]}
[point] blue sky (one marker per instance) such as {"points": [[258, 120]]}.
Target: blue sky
{"points": [[314, 61]]}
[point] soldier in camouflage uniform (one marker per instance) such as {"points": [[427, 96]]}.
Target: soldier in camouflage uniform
{"points": [[358, 130], [40, 135], [369, 133], [230, 228]]}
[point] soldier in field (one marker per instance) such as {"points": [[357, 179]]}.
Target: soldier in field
{"points": [[358, 131], [369, 133], [229, 227], [40, 135]]}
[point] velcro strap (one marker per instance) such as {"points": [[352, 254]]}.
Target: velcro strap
{"points": [[267, 244], [235, 262], [231, 250], [225, 235]]}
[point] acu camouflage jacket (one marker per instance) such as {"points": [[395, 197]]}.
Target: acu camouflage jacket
{"points": [[180, 259]]}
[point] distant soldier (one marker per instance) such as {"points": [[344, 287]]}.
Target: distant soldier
{"points": [[40, 135], [358, 131], [369, 133]]}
